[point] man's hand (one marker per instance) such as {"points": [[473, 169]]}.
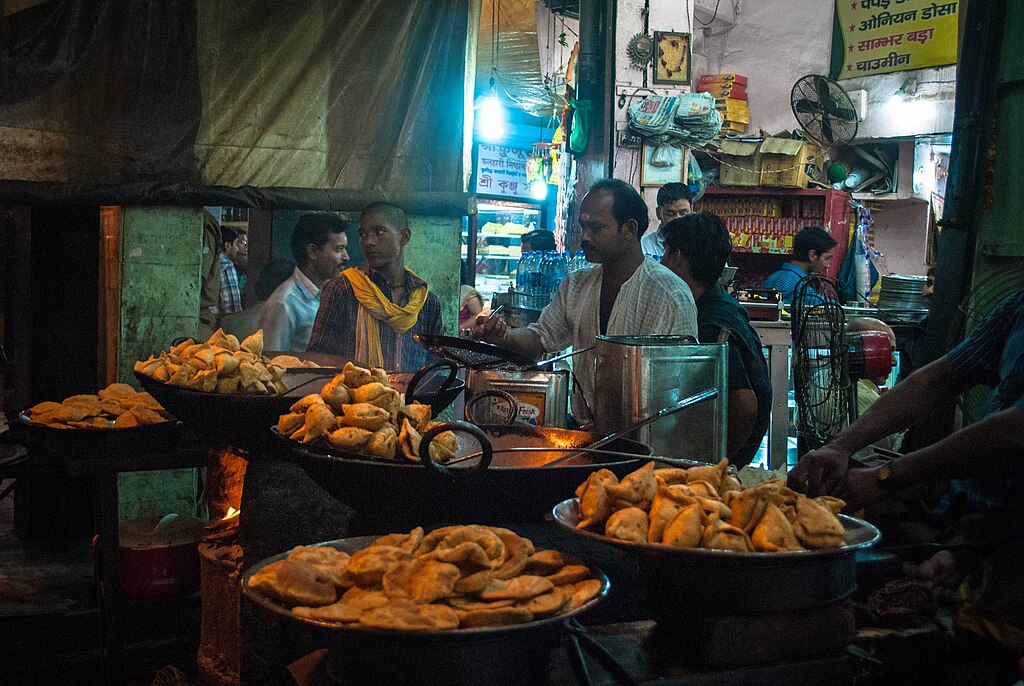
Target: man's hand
{"points": [[490, 329], [863, 488], [819, 472]]}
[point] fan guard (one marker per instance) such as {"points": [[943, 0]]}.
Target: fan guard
{"points": [[824, 110]]}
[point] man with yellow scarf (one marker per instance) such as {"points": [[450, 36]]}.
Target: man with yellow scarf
{"points": [[369, 314]]}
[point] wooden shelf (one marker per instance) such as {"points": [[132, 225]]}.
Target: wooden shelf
{"points": [[768, 190]]}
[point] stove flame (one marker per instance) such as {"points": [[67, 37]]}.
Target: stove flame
{"points": [[231, 514]]}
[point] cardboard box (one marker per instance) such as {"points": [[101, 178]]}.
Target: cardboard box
{"points": [[741, 163], [736, 116], [789, 163], [734, 126], [724, 91], [738, 79]]}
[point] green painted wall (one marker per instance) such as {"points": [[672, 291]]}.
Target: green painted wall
{"points": [[433, 253], [160, 263]]}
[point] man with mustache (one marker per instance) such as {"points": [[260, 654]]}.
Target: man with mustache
{"points": [[625, 294]]}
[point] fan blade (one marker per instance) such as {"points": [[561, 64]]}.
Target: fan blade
{"points": [[826, 129], [823, 87], [844, 113], [805, 106]]}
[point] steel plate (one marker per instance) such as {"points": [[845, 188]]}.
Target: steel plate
{"points": [[859, 534], [351, 545]]}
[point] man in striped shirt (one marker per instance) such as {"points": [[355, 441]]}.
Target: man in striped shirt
{"points": [[235, 257], [625, 294]]}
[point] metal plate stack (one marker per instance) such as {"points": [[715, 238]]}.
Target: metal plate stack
{"points": [[901, 292]]}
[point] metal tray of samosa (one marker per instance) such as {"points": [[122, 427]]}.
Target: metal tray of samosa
{"points": [[354, 544], [859, 534]]}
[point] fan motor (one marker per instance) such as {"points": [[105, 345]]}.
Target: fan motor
{"points": [[870, 355]]}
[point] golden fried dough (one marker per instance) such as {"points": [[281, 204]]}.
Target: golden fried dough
{"points": [[382, 443], [330, 562], [569, 574], [407, 542], [293, 583], [582, 592], [774, 533], [364, 599], [815, 525], [473, 583], [417, 414], [468, 557], [713, 474], [405, 615], [671, 475], [636, 489], [517, 551], [368, 566], [546, 604], [421, 580], [253, 343], [461, 602], [336, 394], [364, 416], [287, 424], [629, 524], [356, 376], [544, 562], [348, 438], [519, 588], [686, 530], [703, 489], [320, 421], [595, 505], [116, 390], [831, 503], [721, 536]]}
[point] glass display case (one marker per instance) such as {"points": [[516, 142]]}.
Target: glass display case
{"points": [[499, 226]]}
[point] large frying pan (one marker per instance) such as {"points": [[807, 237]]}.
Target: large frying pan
{"points": [[496, 488], [241, 420]]}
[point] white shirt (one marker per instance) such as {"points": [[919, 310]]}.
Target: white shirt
{"points": [[652, 244], [288, 314], [652, 302]]}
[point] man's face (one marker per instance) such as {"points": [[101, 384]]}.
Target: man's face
{"points": [[238, 251], [382, 242], [819, 261], [603, 240], [673, 210], [327, 260]]}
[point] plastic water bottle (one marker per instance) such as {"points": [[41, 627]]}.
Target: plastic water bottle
{"points": [[580, 261], [561, 268], [522, 269]]}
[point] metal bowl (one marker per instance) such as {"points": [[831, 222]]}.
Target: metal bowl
{"points": [[94, 442], [498, 656], [743, 582]]}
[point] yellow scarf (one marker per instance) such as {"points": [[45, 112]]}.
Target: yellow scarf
{"points": [[374, 306]]}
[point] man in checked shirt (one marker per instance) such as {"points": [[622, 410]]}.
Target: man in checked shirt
{"points": [[370, 314]]}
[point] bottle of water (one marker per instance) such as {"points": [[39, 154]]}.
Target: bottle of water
{"points": [[561, 268], [580, 261], [522, 270], [543, 280]]}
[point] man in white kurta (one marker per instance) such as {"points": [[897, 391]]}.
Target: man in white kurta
{"points": [[625, 294]]}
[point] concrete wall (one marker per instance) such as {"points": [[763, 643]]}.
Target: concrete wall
{"points": [[666, 15], [159, 301], [775, 43], [900, 234]]}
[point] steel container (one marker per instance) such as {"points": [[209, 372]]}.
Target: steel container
{"points": [[543, 396], [639, 375]]}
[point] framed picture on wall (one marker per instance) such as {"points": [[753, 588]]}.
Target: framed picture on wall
{"points": [[672, 58], [662, 165]]}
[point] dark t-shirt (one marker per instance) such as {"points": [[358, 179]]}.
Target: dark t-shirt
{"points": [[718, 312]]}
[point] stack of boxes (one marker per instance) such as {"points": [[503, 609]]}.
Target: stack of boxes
{"points": [[761, 224], [730, 94]]}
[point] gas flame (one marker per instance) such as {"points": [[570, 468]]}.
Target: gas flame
{"points": [[232, 512]]}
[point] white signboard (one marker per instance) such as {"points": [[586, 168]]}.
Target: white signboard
{"points": [[501, 170]]}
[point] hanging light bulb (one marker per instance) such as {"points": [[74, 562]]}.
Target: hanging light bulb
{"points": [[493, 116], [539, 189]]}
